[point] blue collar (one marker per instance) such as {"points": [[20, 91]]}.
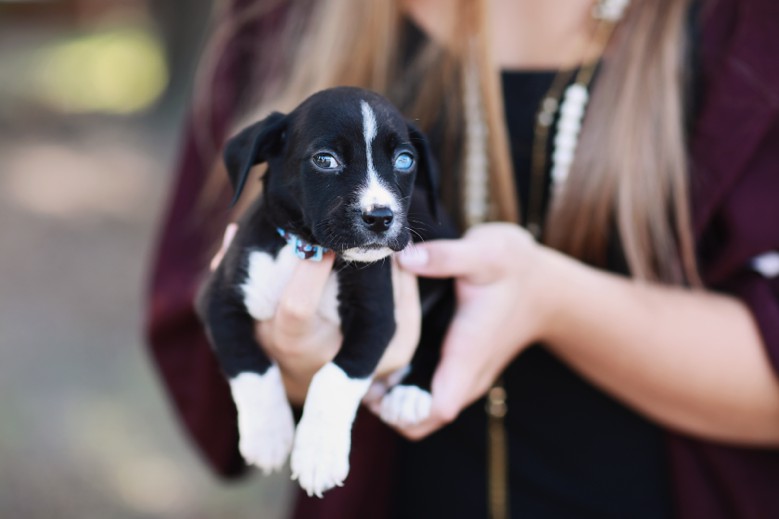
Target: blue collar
{"points": [[302, 249]]}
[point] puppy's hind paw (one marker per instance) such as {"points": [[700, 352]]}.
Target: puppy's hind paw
{"points": [[405, 405]]}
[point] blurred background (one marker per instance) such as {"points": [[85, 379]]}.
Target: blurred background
{"points": [[91, 98]]}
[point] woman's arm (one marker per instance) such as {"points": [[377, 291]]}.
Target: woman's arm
{"points": [[691, 360]]}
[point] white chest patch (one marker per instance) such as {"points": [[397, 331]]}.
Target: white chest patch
{"points": [[266, 279], [320, 456], [366, 255]]}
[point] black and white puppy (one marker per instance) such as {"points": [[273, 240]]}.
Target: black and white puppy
{"points": [[341, 169]]}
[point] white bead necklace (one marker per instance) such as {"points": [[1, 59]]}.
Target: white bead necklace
{"points": [[575, 101], [476, 184], [566, 139]]}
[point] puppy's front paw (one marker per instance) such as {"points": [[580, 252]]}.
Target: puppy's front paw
{"points": [[405, 405], [265, 423], [320, 458]]}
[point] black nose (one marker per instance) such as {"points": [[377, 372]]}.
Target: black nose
{"points": [[378, 219]]}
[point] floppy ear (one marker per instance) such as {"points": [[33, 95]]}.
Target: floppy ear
{"points": [[428, 168], [251, 146]]}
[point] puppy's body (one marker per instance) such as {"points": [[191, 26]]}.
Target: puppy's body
{"points": [[341, 171]]}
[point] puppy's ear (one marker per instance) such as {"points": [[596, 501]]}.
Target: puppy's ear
{"points": [[427, 170], [251, 146]]}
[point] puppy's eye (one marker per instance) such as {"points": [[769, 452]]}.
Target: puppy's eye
{"points": [[404, 162], [325, 161]]}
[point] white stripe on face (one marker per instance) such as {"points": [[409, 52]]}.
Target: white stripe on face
{"points": [[374, 193], [369, 132]]}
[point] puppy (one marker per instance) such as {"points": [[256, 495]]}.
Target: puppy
{"points": [[341, 170]]}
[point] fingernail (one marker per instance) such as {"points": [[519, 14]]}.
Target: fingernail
{"points": [[413, 257]]}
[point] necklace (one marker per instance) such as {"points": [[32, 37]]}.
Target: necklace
{"points": [[570, 114]]}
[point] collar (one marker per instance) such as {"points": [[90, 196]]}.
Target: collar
{"points": [[302, 248]]}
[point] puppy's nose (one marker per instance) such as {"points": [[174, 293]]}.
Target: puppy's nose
{"points": [[378, 218]]}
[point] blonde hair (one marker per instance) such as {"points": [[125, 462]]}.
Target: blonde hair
{"points": [[630, 170]]}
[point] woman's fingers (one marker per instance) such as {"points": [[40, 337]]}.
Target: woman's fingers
{"points": [[408, 317], [479, 257], [440, 259], [299, 301], [230, 231], [497, 313], [457, 381]]}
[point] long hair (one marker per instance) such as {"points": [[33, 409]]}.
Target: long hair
{"points": [[630, 171]]}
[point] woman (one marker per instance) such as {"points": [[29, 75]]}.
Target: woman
{"points": [[652, 396]]}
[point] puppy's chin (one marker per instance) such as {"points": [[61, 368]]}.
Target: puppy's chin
{"points": [[366, 254]]}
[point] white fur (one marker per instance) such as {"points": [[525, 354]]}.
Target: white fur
{"points": [[320, 456], [767, 265], [265, 423], [366, 255], [266, 279], [405, 405], [374, 193]]}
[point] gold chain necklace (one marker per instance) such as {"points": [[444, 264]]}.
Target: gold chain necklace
{"points": [[545, 117], [607, 13]]}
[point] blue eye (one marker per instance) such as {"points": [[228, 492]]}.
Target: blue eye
{"points": [[325, 161], [404, 162]]}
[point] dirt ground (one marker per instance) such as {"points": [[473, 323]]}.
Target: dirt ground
{"points": [[85, 430]]}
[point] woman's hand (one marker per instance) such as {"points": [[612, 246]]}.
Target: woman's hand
{"points": [[501, 308], [302, 341], [691, 360]]}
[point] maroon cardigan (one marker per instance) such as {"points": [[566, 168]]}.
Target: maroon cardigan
{"points": [[735, 185]]}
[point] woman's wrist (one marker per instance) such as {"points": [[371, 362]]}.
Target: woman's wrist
{"points": [[539, 272], [563, 281]]}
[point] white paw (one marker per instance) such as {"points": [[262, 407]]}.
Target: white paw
{"points": [[405, 405], [265, 423], [320, 457]]}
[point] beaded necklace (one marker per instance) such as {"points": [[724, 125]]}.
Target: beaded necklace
{"points": [[571, 111], [571, 114]]}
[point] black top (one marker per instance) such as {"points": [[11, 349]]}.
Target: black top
{"points": [[573, 450]]}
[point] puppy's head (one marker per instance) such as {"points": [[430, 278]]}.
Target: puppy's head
{"points": [[341, 169]]}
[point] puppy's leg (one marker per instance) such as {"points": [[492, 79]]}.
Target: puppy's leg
{"points": [[320, 457], [408, 402], [265, 421]]}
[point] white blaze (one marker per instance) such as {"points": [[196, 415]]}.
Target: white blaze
{"points": [[374, 192]]}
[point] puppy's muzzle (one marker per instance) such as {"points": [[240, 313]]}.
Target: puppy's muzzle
{"points": [[378, 219]]}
